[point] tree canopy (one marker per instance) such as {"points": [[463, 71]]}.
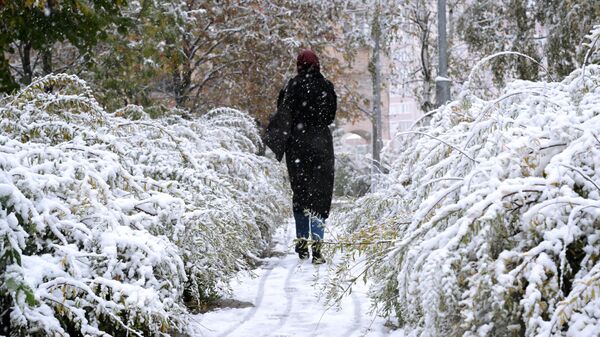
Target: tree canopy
{"points": [[30, 29]]}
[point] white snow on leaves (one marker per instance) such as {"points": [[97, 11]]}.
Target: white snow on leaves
{"points": [[105, 220], [501, 200]]}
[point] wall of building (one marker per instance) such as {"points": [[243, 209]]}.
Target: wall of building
{"points": [[359, 74]]}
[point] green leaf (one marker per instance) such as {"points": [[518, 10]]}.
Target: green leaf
{"points": [[29, 296], [11, 284]]}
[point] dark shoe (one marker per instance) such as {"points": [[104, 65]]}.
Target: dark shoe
{"points": [[302, 249], [303, 254], [317, 258]]}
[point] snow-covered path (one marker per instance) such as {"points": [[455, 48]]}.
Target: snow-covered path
{"points": [[286, 303]]}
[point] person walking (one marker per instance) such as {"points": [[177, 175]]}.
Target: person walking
{"points": [[306, 107]]}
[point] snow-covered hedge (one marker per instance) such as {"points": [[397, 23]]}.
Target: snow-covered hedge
{"points": [[489, 224], [352, 173], [108, 224]]}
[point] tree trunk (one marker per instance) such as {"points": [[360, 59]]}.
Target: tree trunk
{"points": [[47, 51], [422, 20], [47, 61], [426, 106], [178, 90], [376, 79], [442, 85], [26, 63], [182, 76]]}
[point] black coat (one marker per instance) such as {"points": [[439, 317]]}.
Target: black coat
{"points": [[300, 129]]}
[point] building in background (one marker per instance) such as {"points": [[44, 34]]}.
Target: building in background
{"points": [[404, 112], [358, 133], [398, 112]]}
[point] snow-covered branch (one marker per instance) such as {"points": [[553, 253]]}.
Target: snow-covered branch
{"points": [[110, 226], [497, 236]]}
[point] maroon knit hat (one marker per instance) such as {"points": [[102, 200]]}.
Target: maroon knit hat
{"points": [[307, 59]]}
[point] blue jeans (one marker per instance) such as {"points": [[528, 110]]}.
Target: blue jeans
{"points": [[316, 227]]}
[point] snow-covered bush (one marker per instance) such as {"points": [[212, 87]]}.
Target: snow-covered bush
{"points": [[107, 223], [490, 222], [352, 176], [352, 173]]}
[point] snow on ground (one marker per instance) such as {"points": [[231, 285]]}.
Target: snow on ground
{"points": [[286, 302]]}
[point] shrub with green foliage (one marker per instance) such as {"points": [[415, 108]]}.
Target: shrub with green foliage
{"points": [[490, 221], [108, 224]]}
